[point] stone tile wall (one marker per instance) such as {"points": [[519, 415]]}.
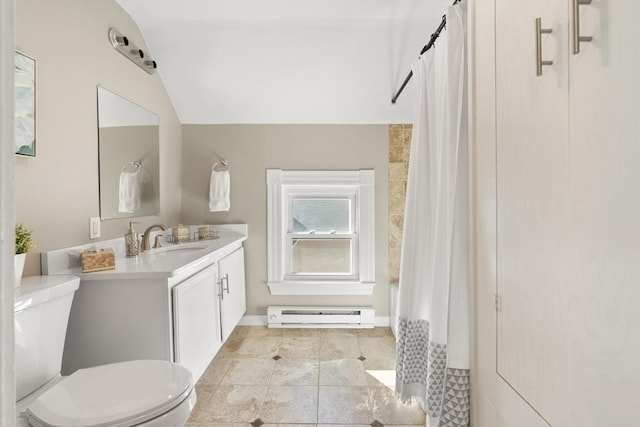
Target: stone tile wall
{"points": [[399, 147]]}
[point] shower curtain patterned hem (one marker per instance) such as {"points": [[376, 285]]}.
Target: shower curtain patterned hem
{"points": [[423, 376]]}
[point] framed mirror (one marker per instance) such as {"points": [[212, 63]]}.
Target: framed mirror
{"points": [[129, 158]]}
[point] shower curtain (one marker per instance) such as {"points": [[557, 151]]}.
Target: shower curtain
{"points": [[433, 299]]}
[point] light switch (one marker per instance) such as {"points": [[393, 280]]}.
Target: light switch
{"points": [[94, 227]]}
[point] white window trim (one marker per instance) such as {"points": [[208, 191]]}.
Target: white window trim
{"points": [[277, 228]]}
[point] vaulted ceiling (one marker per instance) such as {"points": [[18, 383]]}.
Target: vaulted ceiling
{"points": [[286, 61]]}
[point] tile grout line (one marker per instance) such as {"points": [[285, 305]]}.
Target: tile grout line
{"points": [[264, 398], [270, 378], [318, 389], [369, 395]]}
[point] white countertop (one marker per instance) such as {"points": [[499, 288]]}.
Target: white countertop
{"points": [[174, 259]]}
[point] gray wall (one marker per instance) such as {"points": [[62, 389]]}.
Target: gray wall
{"points": [[57, 191], [251, 149]]}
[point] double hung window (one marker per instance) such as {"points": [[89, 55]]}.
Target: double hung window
{"points": [[320, 232]]}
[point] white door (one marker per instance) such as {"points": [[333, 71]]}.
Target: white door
{"points": [[532, 196], [196, 320], [602, 305], [233, 302]]}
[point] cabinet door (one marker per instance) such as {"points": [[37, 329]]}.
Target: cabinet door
{"points": [[196, 320], [233, 302], [532, 196], [602, 305]]}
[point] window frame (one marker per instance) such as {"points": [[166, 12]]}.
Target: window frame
{"points": [[285, 186]]}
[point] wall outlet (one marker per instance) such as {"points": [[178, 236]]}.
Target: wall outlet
{"points": [[94, 227]]}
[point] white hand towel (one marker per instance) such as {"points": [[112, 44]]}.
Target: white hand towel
{"points": [[219, 191], [129, 194]]}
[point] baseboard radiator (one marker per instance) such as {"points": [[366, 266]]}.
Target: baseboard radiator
{"points": [[320, 317]]}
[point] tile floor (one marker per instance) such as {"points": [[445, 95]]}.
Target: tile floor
{"points": [[303, 377]]}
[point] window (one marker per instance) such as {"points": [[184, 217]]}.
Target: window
{"points": [[321, 232]]}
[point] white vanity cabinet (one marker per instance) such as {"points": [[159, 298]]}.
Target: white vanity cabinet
{"points": [[233, 302], [177, 303], [196, 320]]}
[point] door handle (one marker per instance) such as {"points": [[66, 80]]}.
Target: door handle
{"points": [[226, 279], [539, 32], [221, 283], [577, 38]]}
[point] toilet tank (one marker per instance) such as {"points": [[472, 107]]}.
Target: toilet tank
{"points": [[42, 306]]}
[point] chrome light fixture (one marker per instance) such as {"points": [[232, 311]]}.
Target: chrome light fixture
{"points": [[136, 55]]}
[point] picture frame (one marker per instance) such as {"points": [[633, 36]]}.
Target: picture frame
{"points": [[25, 105]]}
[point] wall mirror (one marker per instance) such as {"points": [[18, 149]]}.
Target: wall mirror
{"points": [[129, 163]]}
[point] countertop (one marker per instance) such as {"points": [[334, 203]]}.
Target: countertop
{"points": [[171, 260]]}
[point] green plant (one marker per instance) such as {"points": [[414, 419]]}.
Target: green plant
{"points": [[23, 239]]}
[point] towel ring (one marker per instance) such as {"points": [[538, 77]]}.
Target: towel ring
{"points": [[223, 163], [136, 164]]}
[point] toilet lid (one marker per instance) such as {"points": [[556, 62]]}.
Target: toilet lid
{"points": [[120, 394]]}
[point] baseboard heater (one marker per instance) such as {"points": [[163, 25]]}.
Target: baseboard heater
{"points": [[320, 317]]}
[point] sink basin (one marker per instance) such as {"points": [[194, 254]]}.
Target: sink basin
{"points": [[179, 250]]}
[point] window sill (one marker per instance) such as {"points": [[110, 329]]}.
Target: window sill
{"points": [[321, 288]]}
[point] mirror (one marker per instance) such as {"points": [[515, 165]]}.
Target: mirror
{"points": [[129, 158]]}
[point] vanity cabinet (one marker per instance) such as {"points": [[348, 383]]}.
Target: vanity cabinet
{"points": [[178, 303], [233, 302], [196, 320]]}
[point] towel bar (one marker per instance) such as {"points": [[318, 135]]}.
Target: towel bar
{"points": [[222, 162]]}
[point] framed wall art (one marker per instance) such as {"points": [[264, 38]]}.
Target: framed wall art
{"points": [[25, 105]]}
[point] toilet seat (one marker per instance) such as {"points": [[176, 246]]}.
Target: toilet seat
{"points": [[120, 394]]}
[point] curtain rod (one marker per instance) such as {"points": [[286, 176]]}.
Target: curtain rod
{"points": [[428, 46]]}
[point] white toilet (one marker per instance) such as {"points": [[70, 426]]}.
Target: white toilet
{"points": [[136, 393]]}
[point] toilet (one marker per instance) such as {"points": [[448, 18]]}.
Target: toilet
{"points": [[145, 393]]}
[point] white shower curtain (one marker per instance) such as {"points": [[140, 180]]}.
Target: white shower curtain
{"points": [[433, 300]]}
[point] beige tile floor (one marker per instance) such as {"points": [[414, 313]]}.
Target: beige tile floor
{"points": [[303, 377]]}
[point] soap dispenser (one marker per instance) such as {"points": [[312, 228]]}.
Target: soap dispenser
{"points": [[132, 242]]}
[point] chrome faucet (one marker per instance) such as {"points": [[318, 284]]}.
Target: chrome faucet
{"points": [[144, 246]]}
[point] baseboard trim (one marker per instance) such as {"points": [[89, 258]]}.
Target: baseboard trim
{"points": [[381, 321], [252, 320]]}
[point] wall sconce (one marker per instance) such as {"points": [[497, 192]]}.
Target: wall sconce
{"points": [[131, 51]]}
